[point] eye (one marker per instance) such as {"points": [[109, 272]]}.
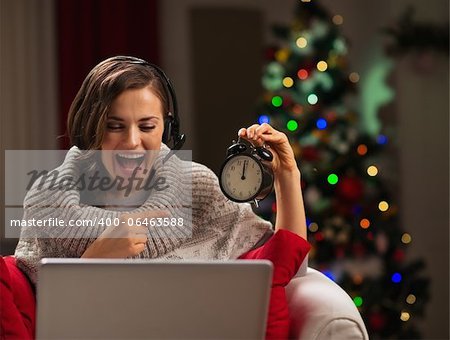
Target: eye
{"points": [[114, 127], [147, 128]]}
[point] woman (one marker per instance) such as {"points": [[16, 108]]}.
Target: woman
{"points": [[124, 109]]}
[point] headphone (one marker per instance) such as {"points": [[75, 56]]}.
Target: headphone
{"points": [[171, 132]]}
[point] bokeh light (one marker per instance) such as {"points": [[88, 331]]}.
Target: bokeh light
{"points": [[277, 101], [382, 139], [396, 277], [338, 19], [358, 301], [322, 66], [405, 316], [313, 99], [372, 170], [292, 125], [313, 227], [364, 223], [383, 206], [406, 238], [411, 299], [332, 179], [301, 42], [321, 123], [263, 119], [302, 74], [362, 149], [288, 82], [354, 77]]}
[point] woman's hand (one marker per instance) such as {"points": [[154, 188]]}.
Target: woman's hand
{"points": [[264, 134], [288, 192], [124, 240]]}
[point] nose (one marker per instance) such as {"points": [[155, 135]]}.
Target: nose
{"points": [[132, 139]]}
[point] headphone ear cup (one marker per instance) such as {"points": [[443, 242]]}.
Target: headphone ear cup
{"points": [[167, 134]]}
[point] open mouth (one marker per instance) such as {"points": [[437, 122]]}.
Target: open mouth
{"points": [[130, 160]]}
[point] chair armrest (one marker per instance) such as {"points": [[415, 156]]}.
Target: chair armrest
{"points": [[320, 309]]}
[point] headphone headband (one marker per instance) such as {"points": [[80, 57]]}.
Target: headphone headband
{"points": [[172, 126]]}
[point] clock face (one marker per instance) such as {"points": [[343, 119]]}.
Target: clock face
{"points": [[241, 178]]}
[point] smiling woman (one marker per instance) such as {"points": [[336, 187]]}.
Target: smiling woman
{"points": [[119, 124]]}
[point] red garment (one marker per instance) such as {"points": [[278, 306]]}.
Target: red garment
{"points": [[17, 302], [286, 250]]}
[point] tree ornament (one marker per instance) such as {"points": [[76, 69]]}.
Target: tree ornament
{"points": [[350, 189]]}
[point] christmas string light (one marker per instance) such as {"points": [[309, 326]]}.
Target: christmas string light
{"points": [[404, 316], [263, 119], [361, 150], [277, 101], [313, 227], [353, 77], [302, 74], [411, 299], [292, 125], [406, 238], [383, 206], [332, 179], [364, 223], [288, 82], [372, 170], [301, 42], [358, 301], [322, 66], [338, 19], [321, 124], [312, 99], [381, 139], [396, 278]]}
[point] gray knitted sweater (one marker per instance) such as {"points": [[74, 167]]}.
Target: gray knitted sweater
{"points": [[213, 227]]}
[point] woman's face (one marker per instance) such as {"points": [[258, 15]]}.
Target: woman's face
{"points": [[134, 125]]}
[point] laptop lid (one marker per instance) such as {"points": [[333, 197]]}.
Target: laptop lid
{"points": [[136, 299]]}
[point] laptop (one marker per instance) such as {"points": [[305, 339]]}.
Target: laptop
{"points": [[149, 299]]}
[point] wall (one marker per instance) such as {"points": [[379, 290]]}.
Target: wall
{"points": [[28, 91]]}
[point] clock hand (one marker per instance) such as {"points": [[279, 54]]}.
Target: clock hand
{"points": [[243, 170]]}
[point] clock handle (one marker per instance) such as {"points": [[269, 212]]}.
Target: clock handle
{"points": [[264, 153]]}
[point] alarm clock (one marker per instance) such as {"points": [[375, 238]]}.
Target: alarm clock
{"points": [[245, 175]]}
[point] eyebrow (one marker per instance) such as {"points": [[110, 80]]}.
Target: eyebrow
{"points": [[144, 119]]}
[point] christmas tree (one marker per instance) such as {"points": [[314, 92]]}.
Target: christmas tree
{"points": [[352, 218]]}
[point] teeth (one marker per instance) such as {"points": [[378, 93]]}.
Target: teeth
{"points": [[131, 155]]}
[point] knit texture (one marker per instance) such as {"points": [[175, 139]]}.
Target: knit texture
{"points": [[213, 226]]}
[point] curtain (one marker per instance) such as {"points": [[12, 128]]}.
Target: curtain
{"points": [[89, 31]]}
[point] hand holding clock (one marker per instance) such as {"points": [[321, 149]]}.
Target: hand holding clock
{"points": [[265, 134], [290, 210]]}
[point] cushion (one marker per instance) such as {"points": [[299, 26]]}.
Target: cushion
{"points": [[320, 309], [17, 302]]}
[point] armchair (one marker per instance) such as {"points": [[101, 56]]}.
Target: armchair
{"points": [[320, 309]]}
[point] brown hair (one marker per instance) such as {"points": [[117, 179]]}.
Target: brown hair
{"points": [[89, 110]]}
